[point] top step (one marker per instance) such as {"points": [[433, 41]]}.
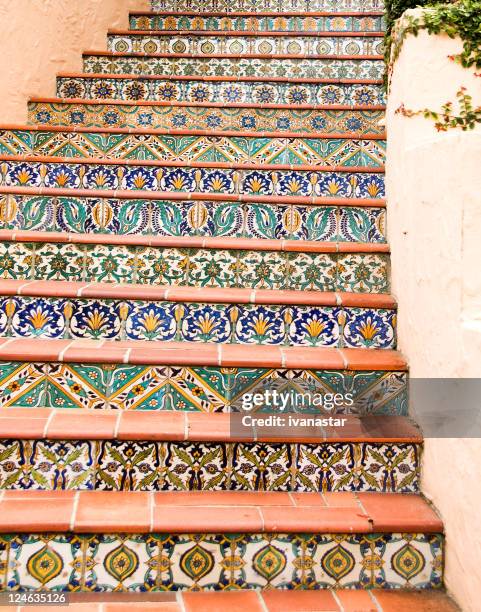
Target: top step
{"points": [[278, 6]]}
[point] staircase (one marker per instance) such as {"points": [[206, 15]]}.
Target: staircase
{"points": [[198, 216]]}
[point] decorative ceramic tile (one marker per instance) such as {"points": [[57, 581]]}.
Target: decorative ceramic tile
{"points": [[261, 23], [275, 6], [228, 92], [224, 66], [107, 115], [166, 562], [263, 467], [188, 180], [209, 44], [242, 149], [204, 389], [195, 467]]}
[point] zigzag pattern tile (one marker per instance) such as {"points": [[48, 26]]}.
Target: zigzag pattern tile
{"points": [[208, 44], [280, 6], [204, 389], [52, 465], [140, 563], [256, 23], [136, 177], [228, 92], [234, 67], [361, 272], [193, 218], [241, 149], [38, 317], [205, 118]]}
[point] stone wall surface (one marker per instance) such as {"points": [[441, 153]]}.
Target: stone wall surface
{"points": [[43, 37], [434, 217]]}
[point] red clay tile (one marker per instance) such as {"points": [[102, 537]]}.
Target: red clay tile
{"points": [[341, 499], [315, 519], [167, 606], [307, 499], [206, 519], [113, 511], [160, 425], [223, 498], [234, 601], [26, 427], [233, 355], [319, 358], [299, 601], [367, 300], [82, 425], [400, 513], [212, 426], [356, 601], [376, 429], [27, 349], [372, 359], [174, 353], [37, 495], [414, 601], [37, 515], [315, 298]]}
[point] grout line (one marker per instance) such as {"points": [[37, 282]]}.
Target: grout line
{"points": [[289, 494], [127, 356], [338, 601], [259, 510], [186, 426], [62, 352], [180, 600], [262, 602], [19, 290], [219, 354], [2, 494], [82, 289], [151, 501], [74, 510], [375, 601], [283, 357], [117, 425], [48, 423]]}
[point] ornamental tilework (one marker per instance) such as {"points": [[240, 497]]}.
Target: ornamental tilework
{"points": [[232, 67], [163, 562], [208, 44], [182, 149], [275, 6], [254, 23], [106, 115], [193, 218], [204, 389], [182, 179], [228, 92]]}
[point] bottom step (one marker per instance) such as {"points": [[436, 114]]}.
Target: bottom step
{"points": [[137, 542]]}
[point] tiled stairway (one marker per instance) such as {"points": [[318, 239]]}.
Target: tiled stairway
{"points": [[197, 216]]}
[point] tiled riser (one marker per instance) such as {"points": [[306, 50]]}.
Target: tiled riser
{"points": [[250, 92], [177, 218], [205, 389], [205, 118], [254, 23], [196, 267], [83, 562], [294, 151], [188, 180], [239, 45], [199, 66], [280, 6], [190, 466], [37, 317]]}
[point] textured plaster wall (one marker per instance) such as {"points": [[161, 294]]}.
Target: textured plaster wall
{"points": [[434, 215], [42, 37]]}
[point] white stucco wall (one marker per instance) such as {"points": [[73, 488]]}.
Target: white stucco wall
{"points": [[42, 37], [434, 222]]}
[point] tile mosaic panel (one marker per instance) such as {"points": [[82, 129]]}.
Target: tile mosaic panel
{"points": [[229, 92], [193, 218], [281, 325], [163, 562], [205, 118], [361, 272], [208, 44], [235, 149], [234, 67], [281, 6], [111, 465], [204, 389], [254, 23], [137, 177]]}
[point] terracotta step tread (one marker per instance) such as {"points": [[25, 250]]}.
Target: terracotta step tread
{"points": [[215, 512], [186, 196], [83, 424], [367, 13], [190, 132], [247, 33], [270, 79], [80, 161], [284, 56], [299, 107], [272, 600], [73, 289], [138, 352]]}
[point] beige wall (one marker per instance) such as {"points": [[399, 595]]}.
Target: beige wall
{"points": [[434, 216], [42, 37]]}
